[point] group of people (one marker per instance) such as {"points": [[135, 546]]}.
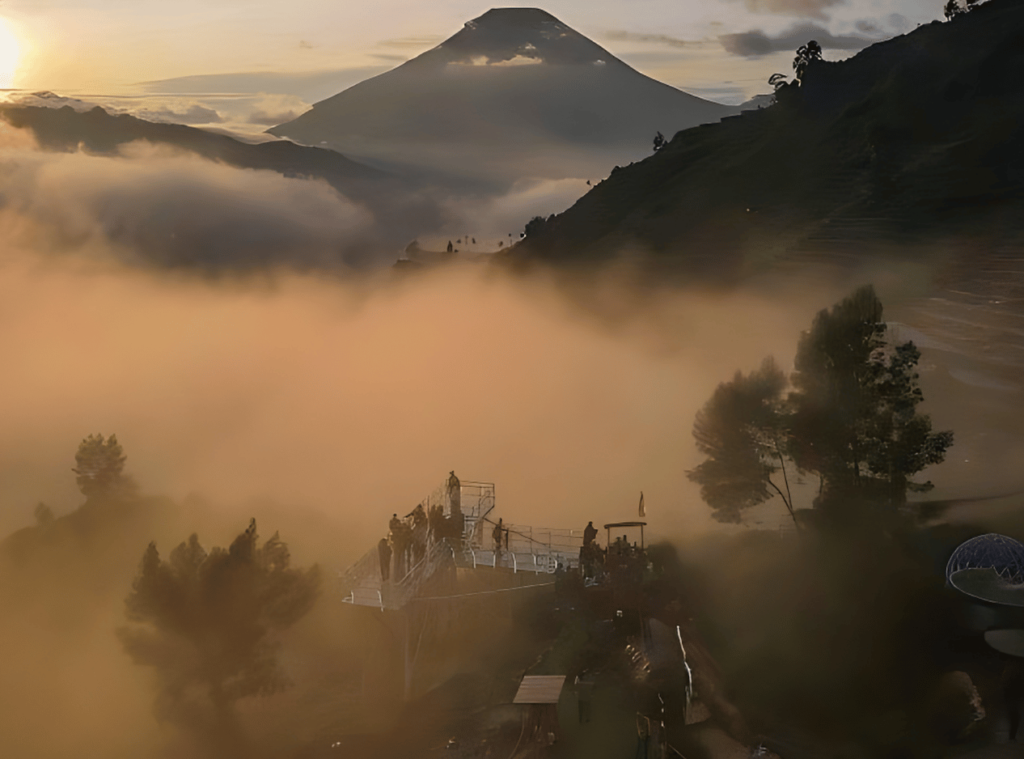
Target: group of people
{"points": [[620, 559], [405, 544], [409, 537]]}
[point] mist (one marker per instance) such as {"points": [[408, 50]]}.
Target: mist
{"points": [[320, 405]]}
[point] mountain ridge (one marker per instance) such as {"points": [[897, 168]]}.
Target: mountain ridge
{"points": [[914, 138]]}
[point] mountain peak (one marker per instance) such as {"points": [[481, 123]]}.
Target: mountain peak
{"points": [[520, 35], [517, 16], [515, 93]]}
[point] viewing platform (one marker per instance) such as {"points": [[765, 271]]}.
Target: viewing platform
{"points": [[453, 529]]}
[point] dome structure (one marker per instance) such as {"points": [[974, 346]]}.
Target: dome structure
{"points": [[992, 551]]}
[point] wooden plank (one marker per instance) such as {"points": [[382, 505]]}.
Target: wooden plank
{"points": [[539, 689]]}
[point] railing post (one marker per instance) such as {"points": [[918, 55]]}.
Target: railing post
{"points": [[515, 564]]}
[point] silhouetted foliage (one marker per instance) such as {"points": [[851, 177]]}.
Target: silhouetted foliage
{"points": [[784, 90], [741, 430], [659, 142], [100, 467], [805, 54], [851, 419], [534, 225], [854, 407], [952, 9], [205, 622]]}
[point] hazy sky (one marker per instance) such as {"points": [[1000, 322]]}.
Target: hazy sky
{"points": [[715, 48]]}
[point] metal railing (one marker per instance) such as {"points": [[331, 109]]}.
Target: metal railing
{"points": [[524, 549], [364, 586], [529, 549], [476, 499]]}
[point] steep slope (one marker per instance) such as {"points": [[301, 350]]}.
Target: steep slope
{"points": [[914, 138], [516, 92]]}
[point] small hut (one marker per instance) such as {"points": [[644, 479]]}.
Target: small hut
{"points": [[540, 695]]}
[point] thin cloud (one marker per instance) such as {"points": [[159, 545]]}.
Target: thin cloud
{"points": [[308, 85], [197, 114], [620, 35], [898, 22], [756, 43], [271, 119], [807, 8], [424, 42]]}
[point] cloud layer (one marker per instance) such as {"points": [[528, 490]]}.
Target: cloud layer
{"points": [[154, 206], [757, 43], [806, 8]]}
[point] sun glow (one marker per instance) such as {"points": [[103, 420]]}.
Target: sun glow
{"points": [[9, 51]]}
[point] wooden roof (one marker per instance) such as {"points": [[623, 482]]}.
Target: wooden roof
{"points": [[539, 689]]}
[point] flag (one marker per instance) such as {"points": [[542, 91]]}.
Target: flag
{"points": [[642, 513]]}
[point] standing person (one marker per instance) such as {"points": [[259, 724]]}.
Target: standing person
{"points": [[400, 546], [395, 539], [496, 534], [454, 494], [588, 550], [435, 523], [455, 507], [384, 554], [419, 517]]}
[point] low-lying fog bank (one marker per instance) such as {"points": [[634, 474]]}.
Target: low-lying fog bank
{"points": [[320, 407]]}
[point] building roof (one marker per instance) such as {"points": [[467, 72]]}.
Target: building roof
{"points": [[539, 689]]}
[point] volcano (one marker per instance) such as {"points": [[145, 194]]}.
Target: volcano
{"points": [[516, 93]]}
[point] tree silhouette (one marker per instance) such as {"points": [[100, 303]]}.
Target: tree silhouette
{"points": [[805, 54], [742, 431], [535, 225], [205, 622], [952, 9], [855, 422], [100, 467], [851, 419]]}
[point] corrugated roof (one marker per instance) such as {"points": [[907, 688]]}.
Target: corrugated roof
{"points": [[539, 689]]}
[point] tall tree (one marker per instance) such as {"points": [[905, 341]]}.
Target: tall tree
{"points": [[742, 431], [855, 422], [205, 621], [850, 418], [100, 466]]}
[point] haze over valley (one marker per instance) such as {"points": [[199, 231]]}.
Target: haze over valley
{"points": [[343, 319]]}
